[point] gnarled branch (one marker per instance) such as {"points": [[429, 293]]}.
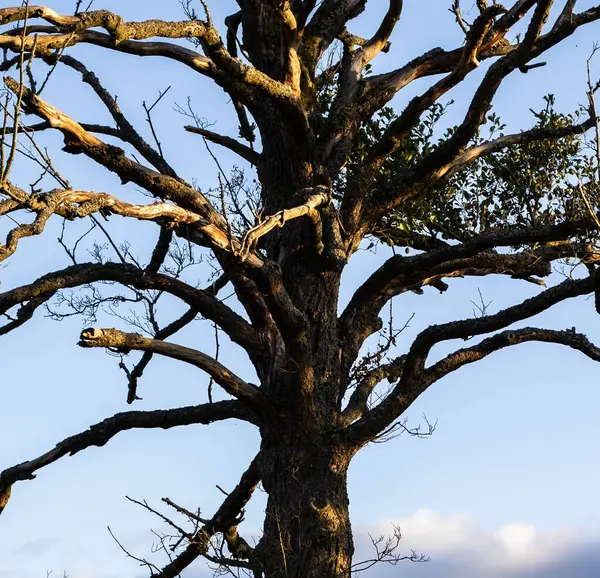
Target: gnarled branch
{"points": [[308, 208]]}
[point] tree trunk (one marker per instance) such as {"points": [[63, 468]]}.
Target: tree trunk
{"points": [[307, 529]]}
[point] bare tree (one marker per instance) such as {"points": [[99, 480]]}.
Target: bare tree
{"points": [[336, 168]]}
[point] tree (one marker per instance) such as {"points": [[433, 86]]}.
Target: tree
{"points": [[336, 168]]}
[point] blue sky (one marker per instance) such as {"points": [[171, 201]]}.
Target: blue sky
{"points": [[507, 486]]}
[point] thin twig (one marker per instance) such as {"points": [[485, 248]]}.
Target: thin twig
{"points": [[59, 55], [110, 240], [168, 521], [217, 350], [184, 511], [142, 561], [148, 110], [459, 17]]}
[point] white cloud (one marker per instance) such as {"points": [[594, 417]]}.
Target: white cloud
{"points": [[458, 546], [517, 539]]}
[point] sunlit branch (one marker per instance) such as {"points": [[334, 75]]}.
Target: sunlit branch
{"points": [[534, 135]]}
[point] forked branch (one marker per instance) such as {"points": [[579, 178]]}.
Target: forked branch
{"points": [[400, 272]]}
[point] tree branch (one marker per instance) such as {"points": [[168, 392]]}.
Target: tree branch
{"points": [[400, 274], [56, 41], [534, 135], [437, 162], [508, 338], [76, 204], [397, 274], [100, 433], [231, 383], [112, 23], [90, 202], [230, 143], [138, 370], [127, 132], [226, 518], [354, 62], [233, 75], [380, 39], [358, 403], [327, 23], [238, 330], [405, 184], [79, 140], [27, 230], [357, 191], [307, 208], [211, 227], [414, 376]]}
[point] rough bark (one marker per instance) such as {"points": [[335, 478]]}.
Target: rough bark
{"points": [[307, 528]]}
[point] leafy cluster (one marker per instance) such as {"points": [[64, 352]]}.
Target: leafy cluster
{"points": [[531, 184]]}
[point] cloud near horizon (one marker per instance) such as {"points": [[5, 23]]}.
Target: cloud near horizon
{"points": [[459, 548]]}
